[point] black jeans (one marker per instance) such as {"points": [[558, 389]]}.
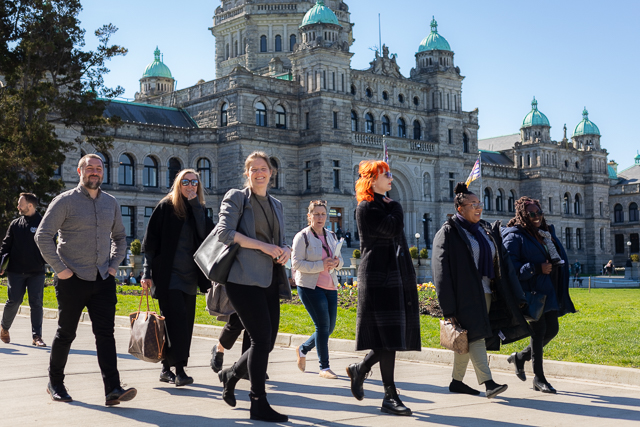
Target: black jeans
{"points": [[231, 331], [259, 311], [387, 360], [17, 284], [99, 297], [544, 330], [179, 311]]}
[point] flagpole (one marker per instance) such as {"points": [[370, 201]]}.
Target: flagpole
{"points": [[480, 165]]}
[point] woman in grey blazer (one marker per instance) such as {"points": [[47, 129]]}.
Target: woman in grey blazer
{"points": [[254, 220]]}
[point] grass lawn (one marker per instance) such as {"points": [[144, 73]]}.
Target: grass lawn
{"points": [[605, 331]]}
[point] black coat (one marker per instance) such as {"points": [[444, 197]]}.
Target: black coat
{"points": [[388, 312], [161, 239], [460, 292], [20, 246]]}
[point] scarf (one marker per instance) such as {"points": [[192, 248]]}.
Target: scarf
{"points": [[485, 263], [551, 247]]}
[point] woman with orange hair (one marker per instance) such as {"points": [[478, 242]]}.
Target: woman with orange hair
{"points": [[388, 316]]}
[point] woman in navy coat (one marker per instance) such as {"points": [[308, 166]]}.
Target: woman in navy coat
{"points": [[542, 266]]}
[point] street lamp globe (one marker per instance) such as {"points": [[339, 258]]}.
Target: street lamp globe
{"points": [[418, 236]]}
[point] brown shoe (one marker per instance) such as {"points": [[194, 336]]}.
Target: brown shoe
{"points": [[4, 336], [302, 361], [37, 341]]}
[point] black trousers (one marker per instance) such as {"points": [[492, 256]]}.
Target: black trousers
{"points": [[99, 297], [231, 332], [259, 311], [179, 311], [387, 360], [544, 330]]}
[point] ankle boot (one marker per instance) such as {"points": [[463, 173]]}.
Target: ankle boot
{"points": [[229, 380], [391, 404], [358, 373], [262, 411]]}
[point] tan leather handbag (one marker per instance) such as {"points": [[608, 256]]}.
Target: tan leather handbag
{"points": [[147, 334], [453, 337]]}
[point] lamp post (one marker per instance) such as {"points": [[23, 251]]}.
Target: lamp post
{"points": [[418, 246], [628, 264]]}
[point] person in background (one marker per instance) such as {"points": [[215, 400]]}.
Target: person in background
{"points": [[347, 237], [339, 233], [315, 260], [25, 270], [130, 280], [139, 278], [609, 268], [388, 310], [177, 227]]}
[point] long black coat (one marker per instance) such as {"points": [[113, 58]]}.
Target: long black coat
{"points": [[460, 292], [388, 312], [161, 239]]}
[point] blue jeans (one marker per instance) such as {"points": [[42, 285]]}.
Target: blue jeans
{"points": [[322, 306], [18, 283]]}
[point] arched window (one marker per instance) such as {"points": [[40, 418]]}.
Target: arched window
{"points": [[150, 172], [278, 43], [465, 142], [511, 204], [292, 42], [618, 214], [261, 114], [487, 199], [566, 201], [354, 121], [500, 201], [577, 209], [385, 95], [386, 127], [416, 101], [173, 167], [107, 168], [204, 169], [235, 48], [602, 241], [353, 90], [263, 43], [370, 125], [274, 176], [224, 117], [226, 51], [401, 98], [417, 130], [633, 212], [125, 170], [402, 128], [281, 117]]}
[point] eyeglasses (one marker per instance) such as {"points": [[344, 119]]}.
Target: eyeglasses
{"points": [[185, 182], [388, 175], [475, 205], [535, 214]]}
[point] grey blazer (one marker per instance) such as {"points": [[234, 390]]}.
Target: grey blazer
{"points": [[251, 267]]}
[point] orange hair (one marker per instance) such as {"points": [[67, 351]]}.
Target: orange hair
{"points": [[369, 171]]}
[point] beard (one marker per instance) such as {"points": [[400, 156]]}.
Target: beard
{"points": [[92, 185], [23, 211]]}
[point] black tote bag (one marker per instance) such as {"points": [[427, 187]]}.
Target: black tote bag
{"points": [[215, 258]]}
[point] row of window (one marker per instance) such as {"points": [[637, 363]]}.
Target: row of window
{"points": [[499, 200], [621, 246], [240, 49], [618, 213], [439, 100]]}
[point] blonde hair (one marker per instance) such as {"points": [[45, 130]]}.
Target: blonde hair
{"points": [[247, 165], [315, 204], [175, 194]]}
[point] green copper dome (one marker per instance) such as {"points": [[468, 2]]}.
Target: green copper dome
{"points": [[434, 41], [586, 126], [612, 172], [157, 67], [320, 14], [535, 117]]}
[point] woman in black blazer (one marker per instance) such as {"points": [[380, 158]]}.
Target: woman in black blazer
{"points": [[177, 227]]}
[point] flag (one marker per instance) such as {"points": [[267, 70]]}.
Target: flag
{"points": [[386, 152], [475, 172]]}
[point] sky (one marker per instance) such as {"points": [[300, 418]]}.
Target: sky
{"points": [[569, 54]]}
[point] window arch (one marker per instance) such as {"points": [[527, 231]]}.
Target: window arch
{"points": [[125, 170], [292, 42], [386, 126], [354, 121], [417, 130], [500, 200], [224, 115], [150, 172], [263, 43], [281, 117], [353, 90], [278, 43], [204, 169], [465, 142], [173, 167], [370, 126], [368, 92], [487, 199], [106, 163], [401, 98], [566, 201], [633, 212], [261, 114], [577, 208], [402, 128], [511, 204], [618, 214]]}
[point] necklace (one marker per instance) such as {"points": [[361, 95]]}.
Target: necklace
{"points": [[324, 233]]}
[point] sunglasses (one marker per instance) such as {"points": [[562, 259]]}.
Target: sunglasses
{"points": [[185, 182], [476, 205], [535, 214], [388, 175]]}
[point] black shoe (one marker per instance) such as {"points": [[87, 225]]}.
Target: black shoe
{"points": [[216, 359], [460, 387], [229, 380], [494, 389], [58, 393], [183, 379], [245, 376], [391, 404], [119, 394], [543, 386], [262, 411], [166, 376], [357, 374], [519, 366]]}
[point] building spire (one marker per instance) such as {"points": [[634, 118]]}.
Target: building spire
{"points": [[434, 25], [156, 54]]}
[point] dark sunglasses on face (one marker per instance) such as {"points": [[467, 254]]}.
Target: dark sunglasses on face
{"points": [[388, 175], [185, 182], [535, 214]]}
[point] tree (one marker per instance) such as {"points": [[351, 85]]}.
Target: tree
{"points": [[50, 84]]}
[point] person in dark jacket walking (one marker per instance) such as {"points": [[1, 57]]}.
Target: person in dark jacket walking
{"points": [[25, 269], [177, 227], [475, 281], [388, 317], [532, 245]]}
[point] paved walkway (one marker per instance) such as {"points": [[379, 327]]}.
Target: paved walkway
{"points": [[306, 398]]}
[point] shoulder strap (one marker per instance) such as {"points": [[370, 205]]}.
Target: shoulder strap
{"points": [[306, 239]]}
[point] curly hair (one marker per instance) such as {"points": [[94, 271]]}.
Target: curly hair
{"points": [[369, 171], [462, 192], [522, 218]]}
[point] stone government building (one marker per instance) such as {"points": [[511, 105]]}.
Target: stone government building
{"points": [[284, 84]]}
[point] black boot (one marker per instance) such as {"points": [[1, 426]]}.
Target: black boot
{"points": [[229, 379], [391, 404], [460, 387], [358, 373], [518, 365], [493, 389], [262, 411]]}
